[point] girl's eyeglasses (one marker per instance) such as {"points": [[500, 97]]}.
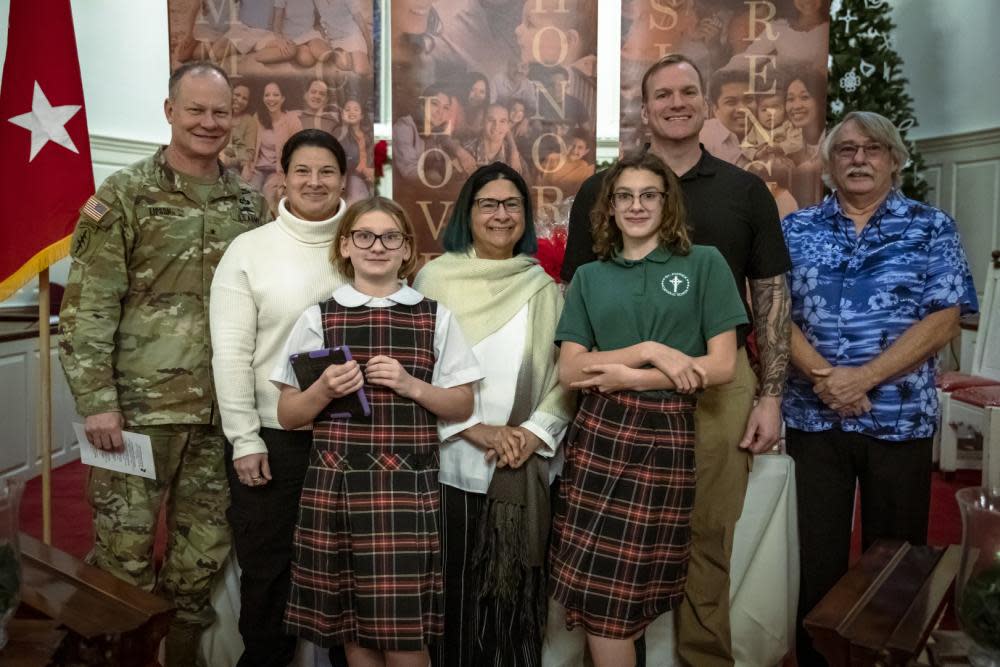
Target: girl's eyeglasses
{"points": [[648, 199], [390, 240]]}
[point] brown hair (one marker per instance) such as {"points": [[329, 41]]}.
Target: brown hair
{"points": [[673, 231], [351, 217], [667, 61]]}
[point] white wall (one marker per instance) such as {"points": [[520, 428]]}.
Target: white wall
{"points": [[950, 53], [124, 62]]}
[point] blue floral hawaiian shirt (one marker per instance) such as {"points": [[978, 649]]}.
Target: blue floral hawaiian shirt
{"points": [[853, 296]]}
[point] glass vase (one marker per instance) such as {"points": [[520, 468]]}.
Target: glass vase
{"points": [[10, 553], [977, 591]]}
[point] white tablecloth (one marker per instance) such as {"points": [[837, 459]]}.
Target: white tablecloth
{"points": [[764, 569], [222, 646]]}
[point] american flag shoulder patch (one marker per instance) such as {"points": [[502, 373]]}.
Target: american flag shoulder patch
{"points": [[95, 209]]}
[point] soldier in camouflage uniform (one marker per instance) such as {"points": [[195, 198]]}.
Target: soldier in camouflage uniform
{"points": [[136, 349]]}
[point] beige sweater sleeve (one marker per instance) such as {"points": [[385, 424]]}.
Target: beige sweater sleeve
{"points": [[233, 320]]}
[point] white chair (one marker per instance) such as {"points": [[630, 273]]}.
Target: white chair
{"points": [[972, 414]]}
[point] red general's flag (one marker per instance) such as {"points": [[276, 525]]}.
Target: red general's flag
{"points": [[45, 169]]}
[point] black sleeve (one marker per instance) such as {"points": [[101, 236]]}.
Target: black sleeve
{"points": [[580, 244], [768, 255]]}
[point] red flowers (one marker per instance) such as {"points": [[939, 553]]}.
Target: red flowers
{"points": [[381, 156]]}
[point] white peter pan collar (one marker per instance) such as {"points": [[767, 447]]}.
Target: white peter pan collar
{"points": [[348, 297]]}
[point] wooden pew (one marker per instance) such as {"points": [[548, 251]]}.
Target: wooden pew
{"points": [[109, 621], [883, 610]]}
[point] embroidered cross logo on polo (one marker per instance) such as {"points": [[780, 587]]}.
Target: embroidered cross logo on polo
{"points": [[675, 284]]}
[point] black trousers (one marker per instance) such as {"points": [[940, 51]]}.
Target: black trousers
{"points": [[475, 634], [263, 521], [894, 479]]}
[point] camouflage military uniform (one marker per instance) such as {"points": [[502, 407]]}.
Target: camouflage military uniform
{"points": [[135, 339]]}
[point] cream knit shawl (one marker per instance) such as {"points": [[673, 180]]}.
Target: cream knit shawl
{"points": [[484, 294]]}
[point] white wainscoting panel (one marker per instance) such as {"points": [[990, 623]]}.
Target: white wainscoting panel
{"points": [[963, 173]]}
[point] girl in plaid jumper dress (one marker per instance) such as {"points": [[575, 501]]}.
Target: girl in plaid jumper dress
{"points": [[641, 332], [367, 568]]}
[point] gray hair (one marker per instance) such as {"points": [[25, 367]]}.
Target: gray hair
{"points": [[194, 68], [877, 128]]}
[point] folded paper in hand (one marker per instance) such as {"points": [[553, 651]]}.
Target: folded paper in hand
{"points": [[136, 458]]}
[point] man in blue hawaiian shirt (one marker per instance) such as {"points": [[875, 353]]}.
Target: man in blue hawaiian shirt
{"points": [[878, 283]]}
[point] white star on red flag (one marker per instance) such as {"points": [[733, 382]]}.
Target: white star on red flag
{"points": [[46, 122]]}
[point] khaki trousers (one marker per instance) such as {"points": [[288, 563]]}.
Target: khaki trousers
{"points": [[703, 636]]}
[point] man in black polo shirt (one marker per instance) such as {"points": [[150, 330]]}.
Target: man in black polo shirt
{"points": [[733, 211]]}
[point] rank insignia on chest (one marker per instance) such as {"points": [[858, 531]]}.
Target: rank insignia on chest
{"points": [[248, 216], [94, 209]]}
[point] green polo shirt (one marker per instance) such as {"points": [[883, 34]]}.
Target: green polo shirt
{"points": [[679, 300]]}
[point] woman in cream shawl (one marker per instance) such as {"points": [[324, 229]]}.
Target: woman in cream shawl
{"points": [[494, 467]]}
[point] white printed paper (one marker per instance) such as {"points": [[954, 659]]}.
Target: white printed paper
{"points": [[135, 459]]}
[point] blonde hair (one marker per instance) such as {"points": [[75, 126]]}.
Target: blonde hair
{"points": [[351, 217], [672, 232]]}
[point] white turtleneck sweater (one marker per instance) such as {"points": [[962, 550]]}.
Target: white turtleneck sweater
{"points": [[267, 278]]}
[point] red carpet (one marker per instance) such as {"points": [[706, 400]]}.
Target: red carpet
{"points": [[72, 527], [71, 520]]}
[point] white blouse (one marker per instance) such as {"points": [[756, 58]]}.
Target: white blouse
{"points": [[463, 464], [455, 363]]}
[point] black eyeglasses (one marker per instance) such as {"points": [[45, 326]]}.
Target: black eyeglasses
{"points": [[489, 205], [390, 240], [648, 199]]}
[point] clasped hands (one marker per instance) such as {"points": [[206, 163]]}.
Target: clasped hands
{"points": [[507, 445], [686, 374], [844, 389]]}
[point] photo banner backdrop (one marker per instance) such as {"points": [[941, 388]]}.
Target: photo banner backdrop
{"points": [[764, 63], [307, 64], [473, 83]]}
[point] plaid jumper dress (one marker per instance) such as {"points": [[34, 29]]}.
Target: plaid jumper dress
{"points": [[622, 532], [367, 566]]}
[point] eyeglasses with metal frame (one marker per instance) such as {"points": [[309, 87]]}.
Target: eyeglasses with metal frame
{"points": [[848, 151], [648, 199]]}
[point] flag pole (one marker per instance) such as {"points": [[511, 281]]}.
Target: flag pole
{"points": [[45, 404]]}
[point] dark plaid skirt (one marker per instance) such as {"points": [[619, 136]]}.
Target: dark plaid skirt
{"points": [[367, 556], [622, 529]]}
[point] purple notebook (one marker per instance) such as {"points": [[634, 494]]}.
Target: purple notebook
{"points": [[308, 366]]}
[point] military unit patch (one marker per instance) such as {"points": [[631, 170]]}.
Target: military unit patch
{"points": [[95, 209]]}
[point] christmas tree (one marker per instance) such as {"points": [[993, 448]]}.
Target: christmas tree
{"points": [[866, 74]]}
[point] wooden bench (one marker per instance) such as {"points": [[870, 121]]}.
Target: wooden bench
{"points": [[883, 610], [108, 621]]}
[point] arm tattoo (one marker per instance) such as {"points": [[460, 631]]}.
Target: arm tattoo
{"points": [[772, 324]]}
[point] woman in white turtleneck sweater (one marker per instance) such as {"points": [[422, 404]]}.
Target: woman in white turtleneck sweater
{"points": [[266, 279]]}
